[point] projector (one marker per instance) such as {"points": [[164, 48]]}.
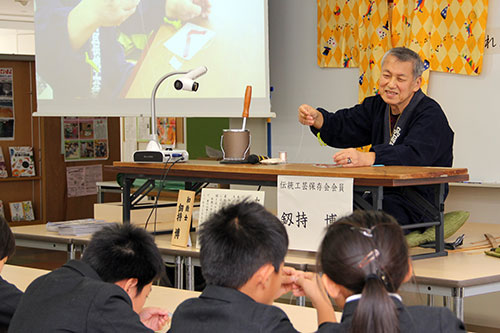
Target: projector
{"points": [[163, 156]]}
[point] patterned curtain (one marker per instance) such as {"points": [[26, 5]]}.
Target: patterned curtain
{"points": [[448, 35]]}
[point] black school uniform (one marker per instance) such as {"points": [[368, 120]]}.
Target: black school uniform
{"points": [[9, 299], [220, 309]]}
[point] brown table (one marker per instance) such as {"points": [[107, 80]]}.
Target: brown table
{"points": [[372, 179]]}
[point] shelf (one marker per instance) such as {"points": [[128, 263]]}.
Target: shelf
{"points": [[19, 179], [21, 223]]}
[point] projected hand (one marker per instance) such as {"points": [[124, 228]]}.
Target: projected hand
{"points": [[89, 15], [110, 13], [187, 9]]}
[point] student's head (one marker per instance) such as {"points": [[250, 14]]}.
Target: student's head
{"points": [[400, 78], [7, 242], [240, 241], [127, 256], [366, 253]]}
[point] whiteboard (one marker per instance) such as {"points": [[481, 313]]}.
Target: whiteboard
{"points": [[470, 102]]}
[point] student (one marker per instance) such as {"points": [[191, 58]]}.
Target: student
{"points": [[364, 261], [9, 294], [104, 292], [242, 253]]}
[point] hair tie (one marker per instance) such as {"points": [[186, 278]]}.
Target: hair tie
{"points": [[372, 276]]}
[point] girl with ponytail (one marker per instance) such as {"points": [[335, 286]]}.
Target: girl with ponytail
{"points": [[364, 260]]}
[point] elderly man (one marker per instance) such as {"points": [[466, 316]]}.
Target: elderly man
{"points": [[403, 125]]}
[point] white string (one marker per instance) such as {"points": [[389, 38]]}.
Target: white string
{"points": [[299, 150]]}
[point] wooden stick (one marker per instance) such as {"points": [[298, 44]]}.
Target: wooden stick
{"points": [[470, 248], [484, 241]]}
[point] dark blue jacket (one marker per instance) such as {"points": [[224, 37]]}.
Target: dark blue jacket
{"points": [[425, 139]]}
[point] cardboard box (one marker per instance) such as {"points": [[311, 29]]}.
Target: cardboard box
{"points": [[113, 212]]}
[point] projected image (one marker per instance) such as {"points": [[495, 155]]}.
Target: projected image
{"points": [[111, 50]]}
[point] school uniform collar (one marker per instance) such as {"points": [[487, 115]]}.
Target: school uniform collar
{"points": [[352, 303], [356, 297], [225, 294], [83, 269]]}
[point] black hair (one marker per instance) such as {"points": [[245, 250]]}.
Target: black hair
{"points": [[7, 240], [123, 251], [366, 252], [239, 239], [404, 54]]}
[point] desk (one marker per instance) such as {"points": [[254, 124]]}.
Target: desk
{"points": [[36, 236], [372, 179], [460, 274], [107, 187], [303, 318], [21, 276]]}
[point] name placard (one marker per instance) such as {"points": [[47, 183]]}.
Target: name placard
{"points": [[307, 205], [182, 222]]}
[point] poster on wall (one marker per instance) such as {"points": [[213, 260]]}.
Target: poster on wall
{"points": [[6, 104], [81, 180], [84, 139], [167, 131]]}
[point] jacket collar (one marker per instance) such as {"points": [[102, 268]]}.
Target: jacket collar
{"points": [[351, 306], [225, 294], [82, 268]]}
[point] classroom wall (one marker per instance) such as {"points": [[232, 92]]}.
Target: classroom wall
{"points": [[297, 79]]}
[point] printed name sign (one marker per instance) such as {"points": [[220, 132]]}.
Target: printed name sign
{"points": [[307, 205], [182, 223]]}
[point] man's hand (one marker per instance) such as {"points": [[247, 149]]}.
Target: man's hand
{"points": [[108, 13], [310, 116], [352, 157], [89, 15], [154, 318]]}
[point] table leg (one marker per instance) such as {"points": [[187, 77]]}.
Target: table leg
{"points": [[301, 301], [439, 202], [430, 300], [189, 273], [127, 184], [179, 272], [458, 302], [446, 301], [100, 195], [71, 252]]}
